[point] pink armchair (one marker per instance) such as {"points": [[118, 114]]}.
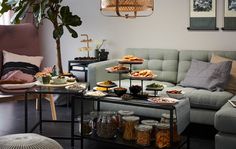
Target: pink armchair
{"points": [[19, 39]]}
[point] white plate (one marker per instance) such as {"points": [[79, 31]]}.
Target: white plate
{"points": [[95, 93], [18, 86], [142, 78], [55, 85], [76, 87], [163, 100], [117, 71]]}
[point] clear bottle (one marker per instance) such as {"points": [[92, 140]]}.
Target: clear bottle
{"points": [[107, 125], [153, 124], [87, 125], [129, 123], [163, 135], [165, 118], [143, 134], [120, 114]]}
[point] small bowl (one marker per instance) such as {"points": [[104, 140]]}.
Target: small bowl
{"points": [[71, 79], [119, 91], [135, 89], [59, 80], [177, 95]]}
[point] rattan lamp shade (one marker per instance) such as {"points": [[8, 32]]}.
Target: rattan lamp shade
{"points": [[127, 8]]}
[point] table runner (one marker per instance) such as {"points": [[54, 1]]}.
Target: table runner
{"points": [[182, 110]]}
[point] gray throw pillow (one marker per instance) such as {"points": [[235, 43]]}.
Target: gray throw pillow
{"points": [[207, 75]]}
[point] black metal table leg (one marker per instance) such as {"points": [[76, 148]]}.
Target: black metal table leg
{"points": [[72, 120], [98, 105], [26, 113], [81, 124], [171, 129], [40, 113]]}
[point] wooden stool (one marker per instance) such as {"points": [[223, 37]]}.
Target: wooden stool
{"points": [[50, 98]]}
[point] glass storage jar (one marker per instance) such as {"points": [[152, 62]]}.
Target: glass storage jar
{"points": [[153, 124], [120, 114], [129, 123], [143, 134], [165, 118], [94, 115], [163, 135], [107, 125], [87, 125]]}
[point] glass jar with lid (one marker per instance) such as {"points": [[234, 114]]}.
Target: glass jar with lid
{"points": [[129, 123], [165, 118], [143, 134], [87, 125], [153, 124], [163, 135], [120, 114], [107, 125]]}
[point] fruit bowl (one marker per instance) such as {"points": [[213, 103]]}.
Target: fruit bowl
{"points": [[177, 94], [135, 89], [119, 91]]}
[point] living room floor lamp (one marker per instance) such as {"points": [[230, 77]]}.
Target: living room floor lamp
{"points": [[127, 8]]}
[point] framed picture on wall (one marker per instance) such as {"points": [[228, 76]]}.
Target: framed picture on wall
{"points": [[230, 15], [202, 15]]}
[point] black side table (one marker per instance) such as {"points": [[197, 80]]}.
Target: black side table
{"points": [[82, 66]]}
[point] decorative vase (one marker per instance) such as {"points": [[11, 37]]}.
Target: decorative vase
{"points": [[96, 53], [46, 80], [103, 55]]}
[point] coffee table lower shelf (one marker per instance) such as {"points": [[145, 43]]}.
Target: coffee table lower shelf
{"points": [[132, 144]]}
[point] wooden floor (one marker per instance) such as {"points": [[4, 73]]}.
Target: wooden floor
{"points": [[12, 121]]}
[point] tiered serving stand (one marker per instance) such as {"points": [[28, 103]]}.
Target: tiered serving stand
{"points": [[131, 63]]}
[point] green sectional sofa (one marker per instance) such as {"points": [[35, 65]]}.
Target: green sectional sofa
{"points": [[171, 66]]}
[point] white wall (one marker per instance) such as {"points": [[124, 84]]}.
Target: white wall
{"points": [[166, 28]]}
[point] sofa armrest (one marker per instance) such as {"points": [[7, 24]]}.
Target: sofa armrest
{"points": [[97, 72]]}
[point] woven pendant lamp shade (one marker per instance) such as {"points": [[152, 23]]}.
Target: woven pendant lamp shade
{"points": [[28, 141], [127, 8]]}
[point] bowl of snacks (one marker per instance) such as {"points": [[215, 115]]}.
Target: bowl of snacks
{"points": [[59, 80], [177, 94], [119, 91], [135, 89], [71, 79]]}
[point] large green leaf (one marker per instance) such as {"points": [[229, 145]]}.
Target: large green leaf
{"points": [[58, 32], [20, 14], [69, 19], [73, 32], [5, 7], [51, 15]]}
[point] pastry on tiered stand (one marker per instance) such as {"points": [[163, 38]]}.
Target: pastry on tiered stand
{"points": [[118, 69], [142, 75], [130, 59]]}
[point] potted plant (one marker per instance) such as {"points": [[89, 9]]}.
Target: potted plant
{"points": [[60, 16]]}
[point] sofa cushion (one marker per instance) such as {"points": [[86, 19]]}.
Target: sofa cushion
{"points": [[205, 99], [186, 56], [231, 86], [225, 118], [162, 62], [207, 75]]}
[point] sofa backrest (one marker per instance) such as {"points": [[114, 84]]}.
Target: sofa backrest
{"points": [[20, 39], [186, 56], [163, 62]]}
